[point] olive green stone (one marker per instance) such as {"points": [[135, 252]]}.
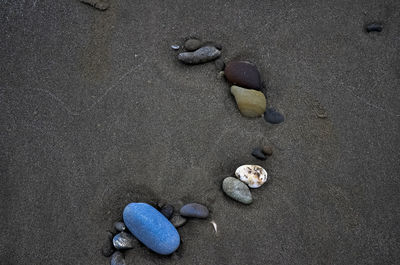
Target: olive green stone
{"points": [[251, 103]]}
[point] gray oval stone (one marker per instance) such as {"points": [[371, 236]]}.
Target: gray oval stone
{"points": [[192, 44], [195, 210], [237, 190], [125, 240], [107, 248], [118, 259], [119, 226], [202, 55]]}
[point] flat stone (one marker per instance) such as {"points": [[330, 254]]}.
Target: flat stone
{"points": [[254, 176], [251, 103], [167, 210], [243, 74], [268, 150], [192, 44], [202, 55], [118, 259], [237, 190], [151, 228], [178, 220], [257, 153], [273, 116], [374, 27], [195, 210], [125, 240], [107, 248]]}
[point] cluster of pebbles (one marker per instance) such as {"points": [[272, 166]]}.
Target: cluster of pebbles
{"points": [[153, 227]]}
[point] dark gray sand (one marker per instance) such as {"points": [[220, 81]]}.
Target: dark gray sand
{"points": [[96, 112]]}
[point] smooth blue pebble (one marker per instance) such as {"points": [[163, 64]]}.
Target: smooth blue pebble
{"points": [[273, 116]]}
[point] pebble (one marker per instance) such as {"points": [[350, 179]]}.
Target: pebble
{"points": [[268, 150], [202, 55], [178, 220], [167, 210], [374, 27], [175, 47], [237, 190], [192, 44], [273, 116], [258, 153], [118, 259], [107, 249], [244, 74], [195, 210], [124, 240], [98, 4], [251, 103], [254, 176], [219, 64], [151, 228], [119, 226]]}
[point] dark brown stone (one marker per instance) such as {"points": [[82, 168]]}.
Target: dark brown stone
{"points": [[243, 74]]}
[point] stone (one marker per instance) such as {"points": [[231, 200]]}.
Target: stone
{"points": [[202, 55], [374, 27], [118, 259], [251, 103], [167, 210], [119, 226], [107, 248], [257, 153], [175, 47], [237, 190], [268, 150], [273, 116], [192, 44], [98, 4], [244, 74], [178, 220], [219, 64], [125, 240], [254, 176], [151, 228], [195, 210]]}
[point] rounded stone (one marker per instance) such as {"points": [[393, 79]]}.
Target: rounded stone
{"points": [[107, 248], [151, 228], [118, 259], [268, 150], [125, 240], [257, 153], [219, 64], [202, 55], [237, 190], [167, 210], [273, 116], [119, 226], [195, 210], [251, 103], [374, 27], [244, 74], [192, 44], [254, 176], [178, 220]]}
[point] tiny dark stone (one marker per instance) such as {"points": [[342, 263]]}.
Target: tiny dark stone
{"points": [[374, 27], [107, 249], [118, 259], [178, 220], [273, 116], [219, 64], [119, 226], [167, 210], [257, 153], [267, 150], [192, 44]]}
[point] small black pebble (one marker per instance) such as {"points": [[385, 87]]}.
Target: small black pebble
{"points": [[374, 27], [273, 116], [219, 64], [167, 210], [107, 249], [257, 153]]}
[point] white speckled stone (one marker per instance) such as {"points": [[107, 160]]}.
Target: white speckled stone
{"points": [[254, 176]]}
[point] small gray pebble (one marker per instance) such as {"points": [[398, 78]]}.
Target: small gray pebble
{"points": [[192, 44], [194, 210], [125, 240], [119, 226], [175, 47], [268, 150], [374, 27], [257, 153], [237, 190], [167, 210], [107, 249], [118, 259], [202, 55], [178, 220], [219, 64]]}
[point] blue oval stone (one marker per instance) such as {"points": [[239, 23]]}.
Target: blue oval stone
{"points": [[151, 228]]}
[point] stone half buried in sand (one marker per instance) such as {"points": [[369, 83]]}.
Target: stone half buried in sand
{"points": [[151, 228], [251, 103], [254, 176], [244, 74], [202, 55]]}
